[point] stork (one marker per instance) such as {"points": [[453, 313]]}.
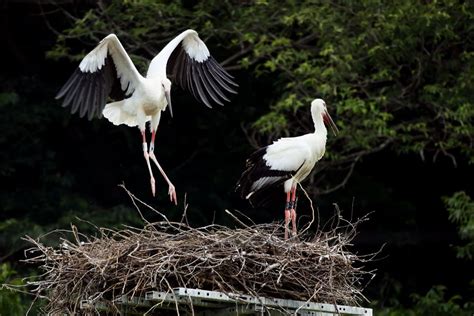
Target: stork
{"points": [[108, 71], [287, 162]]}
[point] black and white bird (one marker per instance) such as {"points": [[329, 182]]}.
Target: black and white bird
{"points": [[286, 162], [108, 71]]}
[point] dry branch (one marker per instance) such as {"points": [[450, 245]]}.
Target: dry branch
{"points": [[254, 260]]}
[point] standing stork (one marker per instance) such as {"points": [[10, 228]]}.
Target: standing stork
{"points": [[287, 161], [108, 71]]}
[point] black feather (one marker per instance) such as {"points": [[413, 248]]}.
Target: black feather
{"points": [[208, 85], [268, 195], [219, 79], [215, 85], [197, 80], [87, 92], [205, 80], [255, 169], [72, 92], [220, 71]]}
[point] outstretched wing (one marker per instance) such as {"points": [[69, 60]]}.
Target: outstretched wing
{"points": [[188, 63], [106, 71]]}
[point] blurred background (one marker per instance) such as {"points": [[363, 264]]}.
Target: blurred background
{"points": [[398, 78]]}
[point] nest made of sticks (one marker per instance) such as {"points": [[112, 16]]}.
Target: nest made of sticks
{"points": [[253, 260]]}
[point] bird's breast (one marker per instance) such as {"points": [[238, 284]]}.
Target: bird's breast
{"points": [[151, 99], [150, 108], [317, 153]]}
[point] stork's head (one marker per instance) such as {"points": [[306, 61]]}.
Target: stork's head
{"points": [[166, 84], [319, 111]]}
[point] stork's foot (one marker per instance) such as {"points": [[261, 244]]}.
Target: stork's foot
{"points": [[172, 194]]}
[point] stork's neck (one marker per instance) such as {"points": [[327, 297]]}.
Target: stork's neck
{"points": [[319, 127]]}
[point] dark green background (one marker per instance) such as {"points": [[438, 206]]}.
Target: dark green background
{"points": [[55, 167]]}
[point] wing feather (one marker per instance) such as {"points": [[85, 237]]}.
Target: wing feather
{"points": [[101, 99], [221, 72], [287, 154], [70, 83], [106, 71], [271, 166], [189, 64], [73, 90], [77, 97], [197, 81], [189, 79], [219, 79], [215, 86], [208, 85], [88, 101]]}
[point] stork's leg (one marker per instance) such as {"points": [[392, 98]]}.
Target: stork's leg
{"points": [[171, 189], [293, 210], [147, 159], [287, 214]]}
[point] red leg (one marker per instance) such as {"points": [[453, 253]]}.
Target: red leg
{"points": [[171, 190], [152, 142], [293, 210], [147, 159], [287, 214]]}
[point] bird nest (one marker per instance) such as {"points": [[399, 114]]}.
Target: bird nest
{"points": [[253, 260]]}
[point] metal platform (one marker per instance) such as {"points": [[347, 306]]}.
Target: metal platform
{"points": [[206, 303]]}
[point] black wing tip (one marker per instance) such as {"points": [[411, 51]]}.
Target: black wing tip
{"points": [[86, 92], [206, 80], [235, 84]]}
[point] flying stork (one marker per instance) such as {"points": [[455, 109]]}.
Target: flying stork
{"points": [[108, 71], [287, 162]]}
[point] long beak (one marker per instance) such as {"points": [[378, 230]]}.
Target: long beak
{"points": [[168, 99], [334, 128]]}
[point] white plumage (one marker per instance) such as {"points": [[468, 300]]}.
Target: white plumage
{"points": [[286, 162], [108, 71]]}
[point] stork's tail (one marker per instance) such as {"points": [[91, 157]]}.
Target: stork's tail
{"points": [[258, 183], [116, 115]]}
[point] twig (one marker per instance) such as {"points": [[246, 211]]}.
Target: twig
{"points": [[161, 256]]}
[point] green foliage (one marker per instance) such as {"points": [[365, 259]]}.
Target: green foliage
{"points": [[392, 71], [461, 211], [11, 303], [433, 303], [396, 73], [8, 98]]}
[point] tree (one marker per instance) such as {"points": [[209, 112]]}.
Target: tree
{"points": [[11, 303], [461, 211], [397, 75]]}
